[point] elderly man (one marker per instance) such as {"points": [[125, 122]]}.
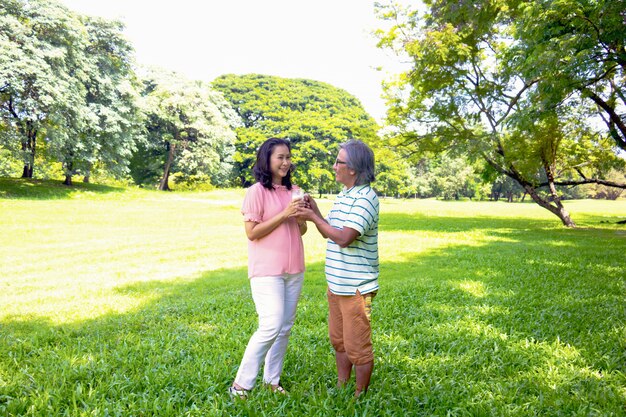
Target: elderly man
{"points": [[351, 261]]}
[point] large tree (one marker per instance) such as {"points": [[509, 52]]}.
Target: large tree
{"points": [[66, 88], [469, 91], [190, 129], [40, 73], [576, 48], [314, 116], [108, 123]]}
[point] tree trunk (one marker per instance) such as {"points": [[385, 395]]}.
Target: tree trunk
{"points": [[69, 166], [171, 148], [87, 174], [557, 210], [29, 149], [28, 171]]}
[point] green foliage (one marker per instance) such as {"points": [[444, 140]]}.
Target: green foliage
{"points": [[486, 82], [452, 178], [112, 121], [190, 132], [41, 43], [9, 166], [314, 116], [484, 309], [393, 174], [575, 50], [609, 193], [65, 80]]}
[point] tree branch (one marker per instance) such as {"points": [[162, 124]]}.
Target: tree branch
{"points": [[586, 181], [614, 117], [515, 99]]}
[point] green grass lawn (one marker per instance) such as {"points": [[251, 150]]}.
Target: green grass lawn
{"points": [[118, 301]]}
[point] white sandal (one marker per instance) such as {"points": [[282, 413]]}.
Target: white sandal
{"points": [[278, 388], [236, 392]]}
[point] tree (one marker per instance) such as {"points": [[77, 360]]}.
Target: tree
{"points": [[393, 174], [503, 185], [609, 193], [314, 116], [468, 94], [110, 118], [189, 126], [66, 87], [576, 48], [40, 74], [452, 178]]}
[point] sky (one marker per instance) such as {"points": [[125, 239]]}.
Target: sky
{"points": [[323, 40]]}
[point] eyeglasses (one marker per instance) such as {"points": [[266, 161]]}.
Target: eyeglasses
{"points": [[338, 162]]}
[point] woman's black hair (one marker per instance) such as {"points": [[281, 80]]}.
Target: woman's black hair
{"points": [[261, 169]]}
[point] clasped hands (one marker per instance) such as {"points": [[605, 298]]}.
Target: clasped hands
{"points": [[305, 209]]}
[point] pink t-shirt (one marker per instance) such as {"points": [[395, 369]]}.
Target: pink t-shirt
{"points": [[282, 250]]}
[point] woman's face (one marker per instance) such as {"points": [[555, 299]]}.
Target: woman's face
{"points": [[280, 163]]}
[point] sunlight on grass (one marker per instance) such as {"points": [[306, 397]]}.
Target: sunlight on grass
{"points": [[133, 302], [475, 288], [85, 248]]}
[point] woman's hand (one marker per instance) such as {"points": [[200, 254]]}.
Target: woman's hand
{"points": [[292, 208], [259, 230]]}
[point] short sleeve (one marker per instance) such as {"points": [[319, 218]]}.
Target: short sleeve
{"points": [[252, 208], [361, 216]]}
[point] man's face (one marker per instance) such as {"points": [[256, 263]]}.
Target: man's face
{"points": [[343, 174]]}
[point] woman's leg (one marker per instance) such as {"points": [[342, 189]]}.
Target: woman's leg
{"points": [[276, 356], [268, 295]]}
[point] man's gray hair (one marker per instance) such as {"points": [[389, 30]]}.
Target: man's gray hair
{"points": [[360, 158]]}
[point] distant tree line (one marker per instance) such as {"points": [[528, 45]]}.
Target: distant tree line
{"points": [[482, 114]]}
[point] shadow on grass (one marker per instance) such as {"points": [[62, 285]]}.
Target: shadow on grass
{"points": [[530, 325], [34, 189]]}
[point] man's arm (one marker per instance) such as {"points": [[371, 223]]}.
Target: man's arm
{"points": [[343, 237]]}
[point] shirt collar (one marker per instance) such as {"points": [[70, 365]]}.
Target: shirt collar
{"points": [[354, 189]]}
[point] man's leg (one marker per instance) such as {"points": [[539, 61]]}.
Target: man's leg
{"points": [[335, 331], [358, 339], [363, 375], [344, 368]]}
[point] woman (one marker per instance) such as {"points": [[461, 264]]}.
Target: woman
{"points": [[275, 264]]}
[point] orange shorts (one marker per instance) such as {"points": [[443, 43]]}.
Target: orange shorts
{"points": [[349, 325]]}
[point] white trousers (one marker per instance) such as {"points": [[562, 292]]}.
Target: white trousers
{"points": [[276, 299]]}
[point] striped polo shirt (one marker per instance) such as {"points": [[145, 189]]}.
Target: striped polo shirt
{"points": [[355, 267]]}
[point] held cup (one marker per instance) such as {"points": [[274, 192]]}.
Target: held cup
{"points": [[297, 194]]}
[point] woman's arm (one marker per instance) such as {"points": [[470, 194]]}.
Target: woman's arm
{"points": [[256, 230]]}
